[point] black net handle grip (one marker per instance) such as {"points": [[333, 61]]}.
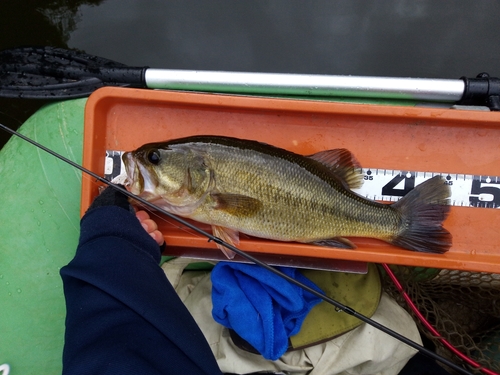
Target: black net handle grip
{"points": [[482, 90]]}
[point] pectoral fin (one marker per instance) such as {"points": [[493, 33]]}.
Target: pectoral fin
{"points": [[343, 164], [337, 242], [236, 204], [230, 236]]}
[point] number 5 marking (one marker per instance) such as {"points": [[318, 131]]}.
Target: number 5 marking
{"points": [[484, 193]]}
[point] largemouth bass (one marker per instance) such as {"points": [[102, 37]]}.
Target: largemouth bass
{"points": [[251, 187]]}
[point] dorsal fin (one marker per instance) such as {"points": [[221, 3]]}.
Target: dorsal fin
{"points": [[343, 164]]}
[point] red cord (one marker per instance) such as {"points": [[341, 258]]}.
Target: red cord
{"points": [[431, 328]]}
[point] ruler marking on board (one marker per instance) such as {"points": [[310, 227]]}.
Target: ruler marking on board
{"points": [[391, 185], [466, 189]]}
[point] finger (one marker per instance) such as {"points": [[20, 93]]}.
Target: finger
{"points": [[142, 215], [158, 237], [149, 225]]}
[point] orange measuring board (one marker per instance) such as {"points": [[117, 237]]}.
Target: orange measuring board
{"points": [[450, 141]]}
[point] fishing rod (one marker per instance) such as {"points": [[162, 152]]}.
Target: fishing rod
{"points": [[56, 73], [339, 306]]}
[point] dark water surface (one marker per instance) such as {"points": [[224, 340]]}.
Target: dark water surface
{"points": [[405, 38]]}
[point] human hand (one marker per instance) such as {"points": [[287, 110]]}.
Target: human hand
{"points": [[150, 226], [110, 196]]}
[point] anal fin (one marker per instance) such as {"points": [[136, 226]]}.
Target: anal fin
{"points": [[337, 242], [232, 237]]}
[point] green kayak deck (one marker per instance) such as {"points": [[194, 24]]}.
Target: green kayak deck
{"points": [[40, 216]]}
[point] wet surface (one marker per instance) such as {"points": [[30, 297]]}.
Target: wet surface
{"points": [[425, 39]]}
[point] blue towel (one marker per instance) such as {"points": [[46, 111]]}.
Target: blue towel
{"points": [[262, 308]]}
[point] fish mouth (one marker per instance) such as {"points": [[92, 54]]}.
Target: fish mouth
{"points": [[134, 181], [140, 180]]}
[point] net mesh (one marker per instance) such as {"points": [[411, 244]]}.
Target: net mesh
{"points": [[464, 307]]}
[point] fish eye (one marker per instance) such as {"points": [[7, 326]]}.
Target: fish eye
{"points": [[154, 156]]}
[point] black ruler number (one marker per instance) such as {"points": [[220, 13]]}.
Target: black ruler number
{"points": [[483, 186], [390, 187], [117, 158]]}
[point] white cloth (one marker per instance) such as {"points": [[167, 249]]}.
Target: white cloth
{"points": [[364, 350]]}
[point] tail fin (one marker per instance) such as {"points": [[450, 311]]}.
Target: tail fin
{"points": [[423, 211]]}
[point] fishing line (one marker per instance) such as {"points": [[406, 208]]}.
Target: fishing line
{"points": [[339, 306]]}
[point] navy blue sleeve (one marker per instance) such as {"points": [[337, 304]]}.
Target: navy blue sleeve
{"points": [[123, 316]]}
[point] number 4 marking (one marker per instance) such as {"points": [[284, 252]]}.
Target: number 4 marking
{"points": [[390, 187]]}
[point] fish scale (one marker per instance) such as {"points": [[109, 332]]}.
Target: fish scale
{"points": [[312, 196]]}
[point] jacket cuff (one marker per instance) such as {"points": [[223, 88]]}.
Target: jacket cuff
{"points": [[113, 221]]}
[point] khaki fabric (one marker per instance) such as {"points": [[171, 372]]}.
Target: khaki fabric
{"points": [[363, 350]]}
